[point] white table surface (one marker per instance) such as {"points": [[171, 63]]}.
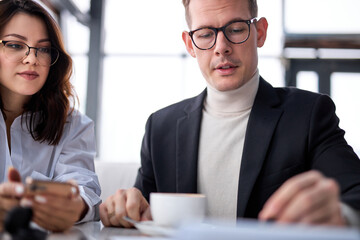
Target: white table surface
{"points": [[244, 230], [92, 231]]}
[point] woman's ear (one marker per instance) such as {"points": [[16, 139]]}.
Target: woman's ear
{"points": [[188, 43], [261, 29]]}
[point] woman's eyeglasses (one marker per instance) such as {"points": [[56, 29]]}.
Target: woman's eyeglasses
{"points": [[16, 51]]}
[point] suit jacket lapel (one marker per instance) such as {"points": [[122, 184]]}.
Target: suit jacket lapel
{"points": [[262, 123], [187, 142]]}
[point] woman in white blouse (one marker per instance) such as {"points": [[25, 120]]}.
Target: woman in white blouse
{"points": [[41, 135]]}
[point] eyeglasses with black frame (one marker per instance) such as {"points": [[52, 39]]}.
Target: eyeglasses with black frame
{"points": [[236, 32], [16, 51]]}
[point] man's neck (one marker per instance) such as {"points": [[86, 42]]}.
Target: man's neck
{"points": [[235, 100]]}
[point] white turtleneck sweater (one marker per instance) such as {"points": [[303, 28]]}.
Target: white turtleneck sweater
{"points": [[222, 135]]}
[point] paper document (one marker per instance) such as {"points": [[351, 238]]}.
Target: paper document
{"points": [[135, 238], [254, 230]]}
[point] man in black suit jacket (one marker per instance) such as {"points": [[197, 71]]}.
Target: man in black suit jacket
{"points": [[288, 159]]}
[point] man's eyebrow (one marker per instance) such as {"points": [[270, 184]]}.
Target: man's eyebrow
{"points": [[232, 20], [24, 38]]}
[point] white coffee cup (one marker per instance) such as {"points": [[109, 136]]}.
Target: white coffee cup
{"points": [[174, 209]]}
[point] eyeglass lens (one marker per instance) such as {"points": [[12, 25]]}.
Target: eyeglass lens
{"points": [[236, 32], [17, 51]]}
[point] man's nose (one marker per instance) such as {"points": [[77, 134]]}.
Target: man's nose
{"points": [[222, 46]]}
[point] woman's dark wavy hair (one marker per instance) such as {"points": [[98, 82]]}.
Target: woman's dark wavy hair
{"points": [[47, 110]]}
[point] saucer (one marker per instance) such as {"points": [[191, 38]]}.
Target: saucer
{"points": [[151, 228]]}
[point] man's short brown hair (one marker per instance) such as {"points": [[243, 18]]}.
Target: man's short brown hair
{"points": [[252, 7]]}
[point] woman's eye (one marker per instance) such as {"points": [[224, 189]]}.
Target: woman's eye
{"points": [[15, 46], [46, 50]]}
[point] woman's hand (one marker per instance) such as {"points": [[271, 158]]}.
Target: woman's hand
{"points": [[10, 194], [56, 213]]}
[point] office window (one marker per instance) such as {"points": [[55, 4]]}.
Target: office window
{"points": [[146, 66], [76, 39], [345, 93], [308, 81], [320, 16]]}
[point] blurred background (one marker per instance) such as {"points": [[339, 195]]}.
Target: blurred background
{"points": [[129, 60]]}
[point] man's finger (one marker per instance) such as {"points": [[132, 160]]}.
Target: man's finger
{"points": [[116, 207], [119, 203], [322, 194], [104, 215], [321, 215], [146, 216], [135, 204], [288, 191]]}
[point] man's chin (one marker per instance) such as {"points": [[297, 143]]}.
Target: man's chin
{"points": [[226, 86]]}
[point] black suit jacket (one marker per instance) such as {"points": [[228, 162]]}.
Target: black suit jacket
{"points": [[289, 131]]}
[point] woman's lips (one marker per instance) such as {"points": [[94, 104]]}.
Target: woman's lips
{"points": [[29, 75]]}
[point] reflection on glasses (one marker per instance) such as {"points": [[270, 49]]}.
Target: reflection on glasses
{"points": [[235, 32], [17, 51]]}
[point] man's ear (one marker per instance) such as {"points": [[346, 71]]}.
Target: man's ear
{"points": [[188, 43], [261, 29]]}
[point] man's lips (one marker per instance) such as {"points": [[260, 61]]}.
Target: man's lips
{"points": [[29, 75], [225, 68]]}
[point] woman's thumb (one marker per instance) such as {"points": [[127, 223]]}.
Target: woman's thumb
{"points": [[14, 175]]}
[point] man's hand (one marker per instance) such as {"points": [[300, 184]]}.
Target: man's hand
{"points": [[129, 203], [54, 212], [308, 198]]}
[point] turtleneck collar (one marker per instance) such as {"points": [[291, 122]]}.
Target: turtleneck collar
{"points": [[234, 101]]}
